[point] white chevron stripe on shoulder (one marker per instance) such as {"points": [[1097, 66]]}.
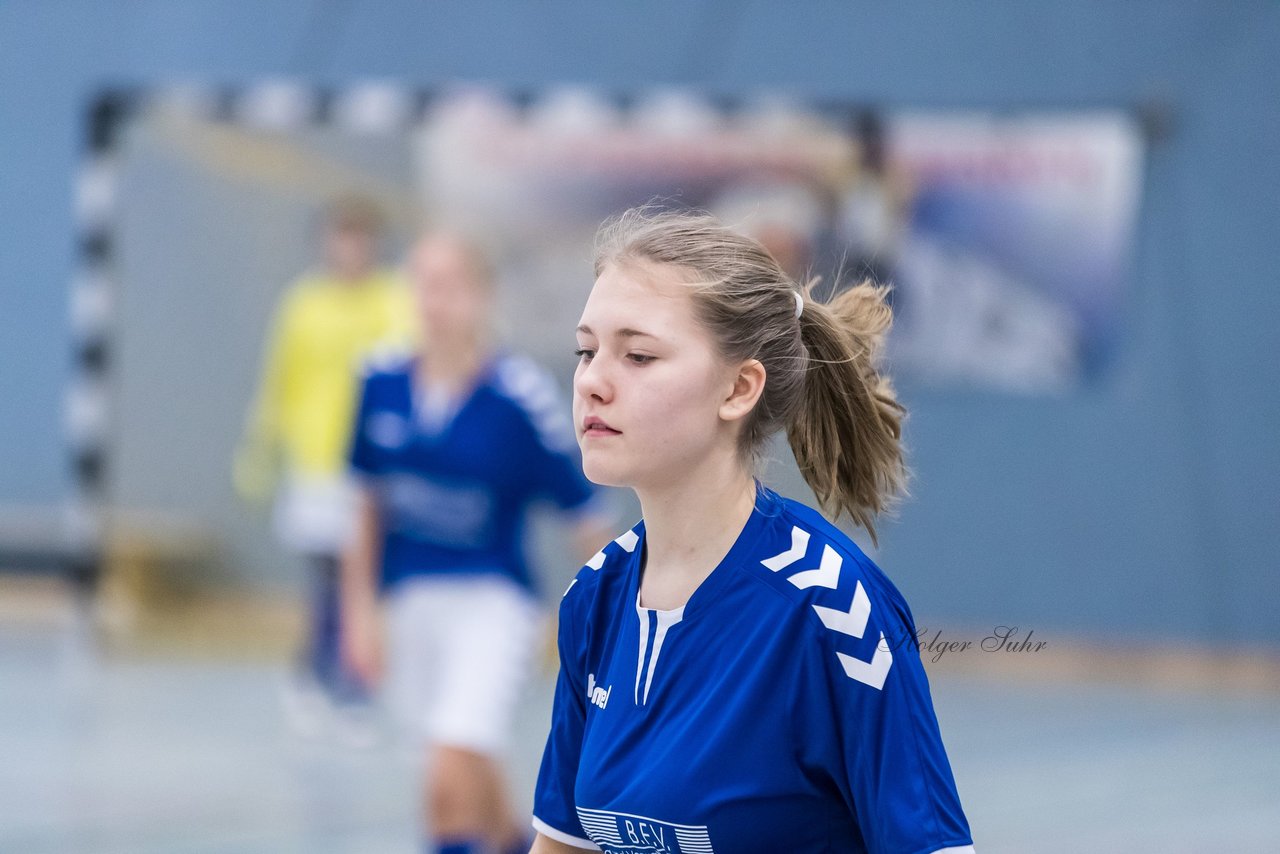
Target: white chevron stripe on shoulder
{"points": [[826, 575], [799, 545], [871, 672], [851, 622], [628, 541]]}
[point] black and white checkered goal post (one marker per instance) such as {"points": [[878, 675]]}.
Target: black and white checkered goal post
{"points": [[370, 109]]}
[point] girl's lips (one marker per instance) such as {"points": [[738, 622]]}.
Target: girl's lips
{"points": [[593, 426]]}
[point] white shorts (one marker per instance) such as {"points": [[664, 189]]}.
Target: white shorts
{"points": [[315, 515], [460, 650]]}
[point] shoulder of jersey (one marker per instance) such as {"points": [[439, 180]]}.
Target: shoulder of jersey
{"points": [[800, 539], [386, 359], [844, 597], [530, 387], [606, 564]]}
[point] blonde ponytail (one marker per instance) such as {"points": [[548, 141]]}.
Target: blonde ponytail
{"points": [[846, 433]]}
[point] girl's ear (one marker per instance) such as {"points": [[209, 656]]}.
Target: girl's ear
{"points": [[748, 385]]}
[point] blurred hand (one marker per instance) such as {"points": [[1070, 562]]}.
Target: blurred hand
{"points": [[362, 645], [549, 648]]}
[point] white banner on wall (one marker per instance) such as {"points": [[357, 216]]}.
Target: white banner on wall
{"points": [[1006, 238]]}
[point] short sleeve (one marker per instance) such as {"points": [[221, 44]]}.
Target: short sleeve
{"points": [[554, 806], [552, 465], [557, 475], [879, 731]]}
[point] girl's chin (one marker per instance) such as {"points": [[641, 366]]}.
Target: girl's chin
{"points": [[602, 476], [607, 473]]}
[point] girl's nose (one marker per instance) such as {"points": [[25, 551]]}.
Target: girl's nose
{"points": [[591, 382]]}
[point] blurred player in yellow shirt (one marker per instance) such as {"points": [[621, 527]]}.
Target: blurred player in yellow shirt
{"points": [[299, 429]]}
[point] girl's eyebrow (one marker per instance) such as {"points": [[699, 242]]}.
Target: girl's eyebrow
{"points": [[621, 333]]}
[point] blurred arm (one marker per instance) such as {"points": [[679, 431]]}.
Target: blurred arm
{"points": [[256, 463], [362, 634]]}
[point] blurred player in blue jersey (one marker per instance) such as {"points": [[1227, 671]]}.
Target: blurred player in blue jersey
{"points": [[736, 675], [452, 445]]}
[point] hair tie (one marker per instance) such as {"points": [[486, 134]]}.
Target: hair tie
{"points": [[799, 304]]}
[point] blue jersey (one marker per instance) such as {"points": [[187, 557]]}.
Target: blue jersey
{"points": [[783, 708], [453, 489]]}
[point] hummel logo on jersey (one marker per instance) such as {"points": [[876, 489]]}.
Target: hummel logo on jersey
{"points": [[596, 695]]}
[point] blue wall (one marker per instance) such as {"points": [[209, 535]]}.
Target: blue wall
{"points": [[1147, 506]]}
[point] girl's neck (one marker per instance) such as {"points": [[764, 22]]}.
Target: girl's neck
{"points": [[452, 365], [690, 526]]}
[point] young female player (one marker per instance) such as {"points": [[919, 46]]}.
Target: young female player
{"points": [[734, 676], [452, 444]]}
